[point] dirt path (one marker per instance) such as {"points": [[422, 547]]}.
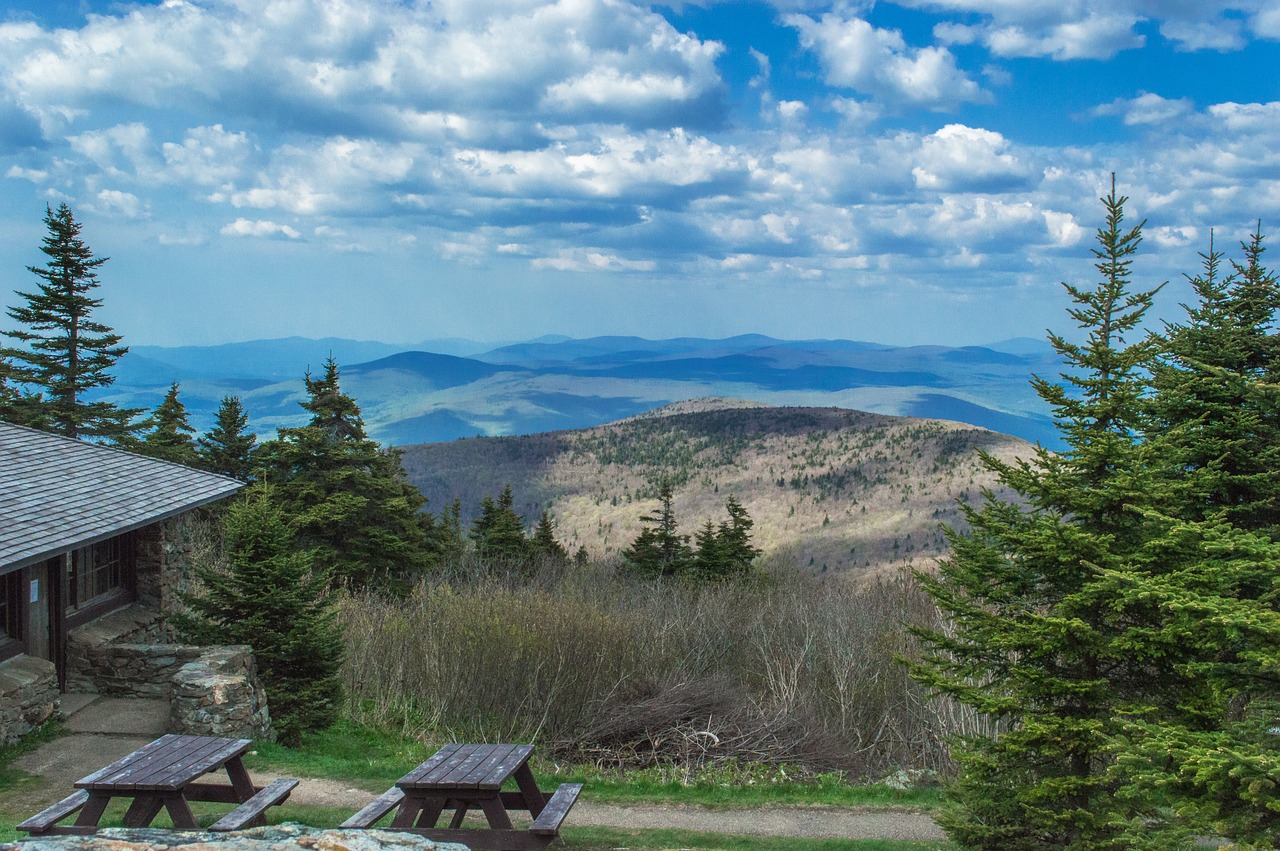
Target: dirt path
{"points": [[107, 729]]}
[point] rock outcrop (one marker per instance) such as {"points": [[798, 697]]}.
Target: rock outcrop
{"points": [[278, 837]]}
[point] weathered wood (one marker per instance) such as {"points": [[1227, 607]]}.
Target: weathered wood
{"points": [[252, 812], [376, 809], [549, 820], [42, 821]]}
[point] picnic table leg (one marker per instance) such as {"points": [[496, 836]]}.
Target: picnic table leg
{"points": [[529, 788], [143, 809], [496, 813], [240, 780], [430, 812], [180, 812], [458, 815], [92, 810]]}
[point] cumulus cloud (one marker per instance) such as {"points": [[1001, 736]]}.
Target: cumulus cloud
{"points": [[261, 228], [879, 62], [1097, 29], [967, 159], [374, 66], [1146, 108]]}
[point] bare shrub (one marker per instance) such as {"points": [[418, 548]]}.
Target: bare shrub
{"points": [[605, 668]]}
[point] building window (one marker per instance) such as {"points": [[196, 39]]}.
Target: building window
{"points": [[99, 577]]}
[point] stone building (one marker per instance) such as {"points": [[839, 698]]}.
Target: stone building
{"points": [[95, 545]]}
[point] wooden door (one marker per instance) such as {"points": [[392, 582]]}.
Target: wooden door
{"points": [[40, 617]]}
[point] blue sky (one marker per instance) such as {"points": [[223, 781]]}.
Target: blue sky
{"points": [[919, 171]]}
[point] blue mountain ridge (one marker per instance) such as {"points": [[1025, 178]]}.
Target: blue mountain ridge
{"points": [[411, 396]]}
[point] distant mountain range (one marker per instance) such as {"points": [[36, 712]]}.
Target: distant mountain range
{"points": [[447, 389]]}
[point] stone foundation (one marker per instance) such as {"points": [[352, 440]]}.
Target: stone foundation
{"points": [[212, 691], [28, 696], [219, 695], [119, 655]]}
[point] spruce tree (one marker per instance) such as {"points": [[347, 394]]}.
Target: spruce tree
{"points": [[1034, 644], [170, 432], [272, 597], [347, 498], [544, 544], [498, 532], [64, 353], [228, 447], [1212, 753], [659, 550], [734, 539]]}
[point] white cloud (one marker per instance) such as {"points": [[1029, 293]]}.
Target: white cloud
{"points": [[587, 260], [968, 159], [1146, 108], [879, 62], [124, 203], [267, 229]]}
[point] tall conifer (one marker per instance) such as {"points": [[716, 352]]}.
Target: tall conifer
{"points": [[1034, 641], [228, 447], [64, 353], [170, 434], [347, 498]]}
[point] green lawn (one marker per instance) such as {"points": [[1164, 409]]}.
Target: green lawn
{"points": [[372, 760]]}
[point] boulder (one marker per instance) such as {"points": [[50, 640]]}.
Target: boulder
{"points": [[276, 837]]}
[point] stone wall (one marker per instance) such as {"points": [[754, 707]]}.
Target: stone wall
{"points": [[166, 556], [219, 694], [28, 696], [120, 654]]}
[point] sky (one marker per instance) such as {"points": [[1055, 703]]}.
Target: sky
{"points": [[907, 172]]}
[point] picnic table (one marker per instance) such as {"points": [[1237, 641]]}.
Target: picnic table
{"points": [[465, 777], [164, 775]]}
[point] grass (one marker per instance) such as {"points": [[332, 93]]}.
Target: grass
{"points": [[374, 759], [614, 839], [10, 777]]}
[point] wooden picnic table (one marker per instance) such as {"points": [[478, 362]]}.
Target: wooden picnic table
{"points": [[465, 777], [164, 775]]}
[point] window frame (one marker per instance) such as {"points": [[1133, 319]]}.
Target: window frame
{"points": [[117, 592]]}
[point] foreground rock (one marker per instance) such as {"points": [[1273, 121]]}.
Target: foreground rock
{"points": [[278, 837]]}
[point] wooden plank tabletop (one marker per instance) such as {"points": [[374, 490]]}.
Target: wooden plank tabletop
{"points": [[167, 764], [456, 766]]}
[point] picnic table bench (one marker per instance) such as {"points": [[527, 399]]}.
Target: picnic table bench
{"points": [[462, 777], [164, 775]]}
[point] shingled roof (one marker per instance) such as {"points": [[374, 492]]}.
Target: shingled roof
{"points": [[58, 494]]}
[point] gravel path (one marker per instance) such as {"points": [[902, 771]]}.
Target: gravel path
{"points": [[108, 729]]}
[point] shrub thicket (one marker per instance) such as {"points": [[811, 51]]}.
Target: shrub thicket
{"points": [[598, 665]]}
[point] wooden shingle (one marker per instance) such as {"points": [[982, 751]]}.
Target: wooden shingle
{"points": [[59, 494]]}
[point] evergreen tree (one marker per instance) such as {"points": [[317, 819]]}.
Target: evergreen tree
{"points": [[1219, 437], [709, 558], [1035, 643], [271, 597], [228, 447], [64, 352], [659, 550], [498, 532], [170, 434], [16, 406], [1212, 753], [346, 498], [544, 543], [734, 539]]}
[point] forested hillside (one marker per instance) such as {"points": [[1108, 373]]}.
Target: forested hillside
{"points": [[831, 489]]}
